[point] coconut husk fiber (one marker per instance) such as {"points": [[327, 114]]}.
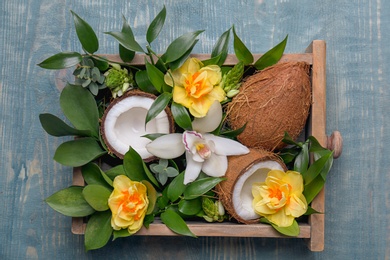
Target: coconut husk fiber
{"points": [[272, 102]]}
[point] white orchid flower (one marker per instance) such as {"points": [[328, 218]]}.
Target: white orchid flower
{"points": [[204, 151]]}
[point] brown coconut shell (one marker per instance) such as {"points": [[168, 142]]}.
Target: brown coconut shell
{"points": [[114, 102], [237, 166], [272, 102]]}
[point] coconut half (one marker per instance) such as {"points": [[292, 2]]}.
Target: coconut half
{"points": [[123, 124], [236, 192]]}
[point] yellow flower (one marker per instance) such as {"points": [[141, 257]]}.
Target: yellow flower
{"points": [[196, 87], [280, 198], [128, 203]]}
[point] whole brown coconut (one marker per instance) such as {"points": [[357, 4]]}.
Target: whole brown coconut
{"points": [[235, 193], [272, 102]]}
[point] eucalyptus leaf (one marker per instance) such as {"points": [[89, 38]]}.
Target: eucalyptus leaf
{"points": [[176, 187], [97, 196], [180, 46], [241, 51], [190, 207], [158, 105], [272, 56], [156, 25], [176, 223], [181, 116], [98, 230], [200, 187], [78, 152], [125, 54], [85, 33], [220, 48], [92, 174], [144, 83], [70, 202], [56, 127], [127, 40], [156, 77], [61, 60], [79, 106]]}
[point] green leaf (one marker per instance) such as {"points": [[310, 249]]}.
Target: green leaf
{"points": [[120, 233], [144, 83], [181, 116], [70, 202], [200, 187], [56, 127], [288, 140], [92, 174], [85, 33], [317, 168], [125, 54], [180, 61], [310, 211], [234, 133], [180, 46], [176, 187], [78, 152], [220, 48], [272, 56], [79, 106], [100, 63], [148, 219], [212, 61], [127, 40], [156, 25], [241, 51], [153, 137], [158, 105], [190, 207], [97, 196], [302, 160], [156, 77], [61, 60], [152, 196], [98, 230], [288, 155], [133, 166], [311, 190], [291, 231], [176, 223], [150, 175], [115, 171], [162, 201]]}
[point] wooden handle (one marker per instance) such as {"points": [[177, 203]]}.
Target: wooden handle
{"points": [[335, 144]]}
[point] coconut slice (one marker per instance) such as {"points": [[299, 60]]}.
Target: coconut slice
{"points": [[236, 192], [123, 124]]}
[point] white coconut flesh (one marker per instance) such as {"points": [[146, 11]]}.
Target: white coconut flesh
{"points": [[124, 125], [242, 191]]}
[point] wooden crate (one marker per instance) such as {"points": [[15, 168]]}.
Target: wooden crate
{"points": [[313, 230]]}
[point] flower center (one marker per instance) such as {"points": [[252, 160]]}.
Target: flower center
{"points": [[194, 85], [203, 150]]}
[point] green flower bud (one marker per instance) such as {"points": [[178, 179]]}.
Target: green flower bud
{"points": [[118, 80], [214, 210], [232, 79]]}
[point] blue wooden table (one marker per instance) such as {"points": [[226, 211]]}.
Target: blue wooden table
{"points": [[358, 94]]}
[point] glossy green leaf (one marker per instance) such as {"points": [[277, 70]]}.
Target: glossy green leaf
{"points": [[234, 133], [125, 54], [85, 33], [241, 51], [291, 231], [97, 196], [158, 105], [70, 202], [133, 166], [180, 46], [288, 140], [288, 155], [311, 190], [78, 152], [101, 63], [181, 116], [302, 160], [163, 200], [56, 127], [152, 196], [150, 175], [190, 207], [148, 220], [92, 174], [127, 40], [98, 230], [317, 168], [176, 187], [152, 136], [212, 61], [79, 106], [311, 211], [180, 61], [221, 47], [120, 233], [115, 171], [61, 60], [156, 25], [144, 83], [272, 56], [176, 223], [200, 187], [156, 77]]}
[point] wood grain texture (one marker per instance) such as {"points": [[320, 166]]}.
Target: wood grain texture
{"points": [[357, 209]]}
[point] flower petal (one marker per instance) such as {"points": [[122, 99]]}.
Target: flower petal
{"points": [[295, 180], [215, 166], [297, 206], [180, 96], [167, 146], [200, 107], [214, 74], [281, 219], [225, 146], [211, 121], [192, 170]]}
